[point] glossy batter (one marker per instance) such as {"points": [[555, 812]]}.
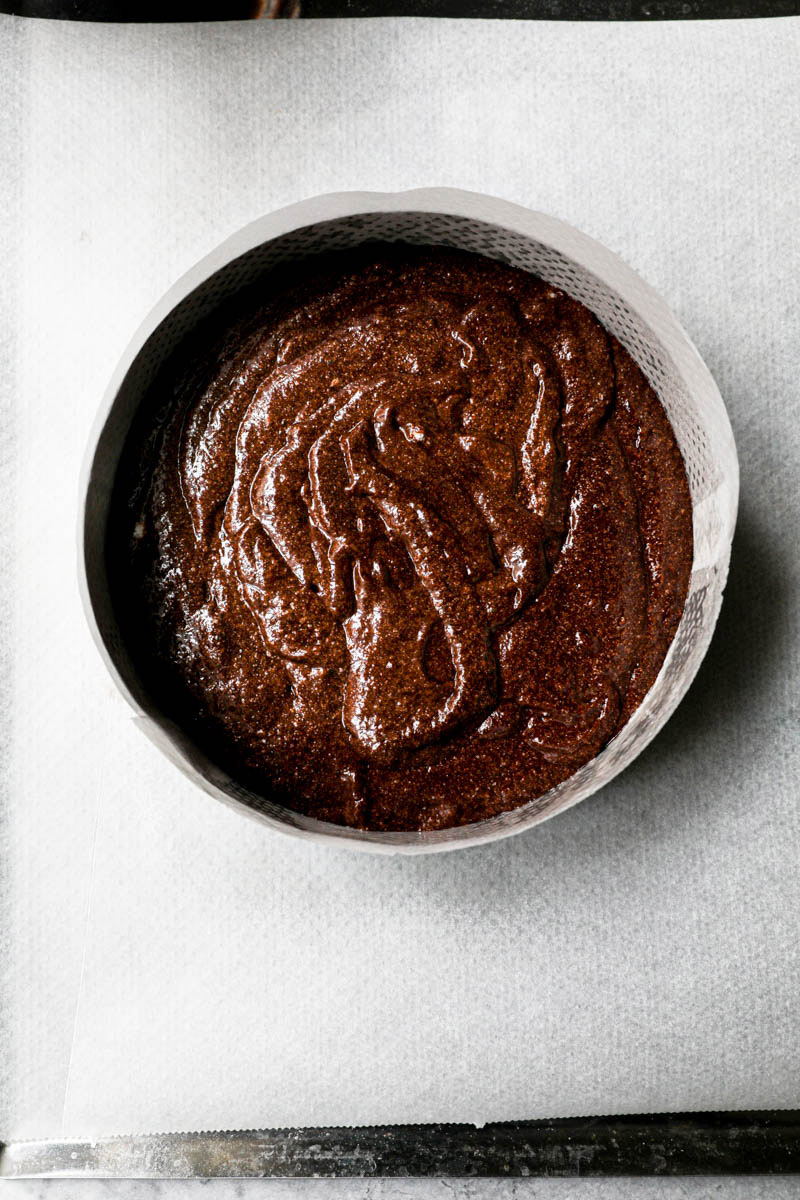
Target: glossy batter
{"points": [[411, 542]]}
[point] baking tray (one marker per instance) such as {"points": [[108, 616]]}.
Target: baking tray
{"points": [[713, 1143], [662, 1144], [742, 1143]]}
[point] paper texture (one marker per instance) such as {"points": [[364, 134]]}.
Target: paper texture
{"points": [[173, 966]]}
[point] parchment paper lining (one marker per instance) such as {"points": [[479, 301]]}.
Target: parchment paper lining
{"points": [[535, 242]]}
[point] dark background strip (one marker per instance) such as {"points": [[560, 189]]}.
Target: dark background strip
{"points": [[565, 10], [755, 1143]]}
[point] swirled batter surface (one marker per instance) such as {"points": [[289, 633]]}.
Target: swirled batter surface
{"points": [[411, 540]]}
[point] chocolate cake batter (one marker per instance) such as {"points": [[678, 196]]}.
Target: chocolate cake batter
{"points": [[410, 543]]}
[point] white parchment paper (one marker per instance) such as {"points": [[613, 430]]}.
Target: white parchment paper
{"points": [[173, 966]]}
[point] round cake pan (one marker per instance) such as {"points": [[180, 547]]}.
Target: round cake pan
{"points": [[557, 252]]}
